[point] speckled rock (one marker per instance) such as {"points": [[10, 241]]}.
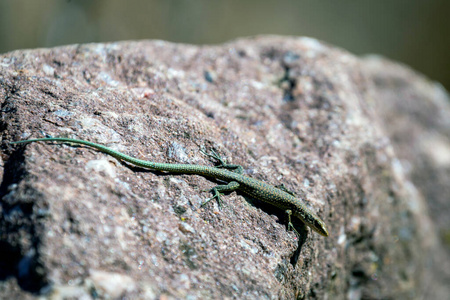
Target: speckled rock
{"points": [[76, 223]]}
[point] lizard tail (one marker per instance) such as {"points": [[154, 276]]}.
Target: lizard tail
{"points": [[101, 148]]}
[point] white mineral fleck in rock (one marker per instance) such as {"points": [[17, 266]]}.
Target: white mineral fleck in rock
{"points": [[113, 284]]}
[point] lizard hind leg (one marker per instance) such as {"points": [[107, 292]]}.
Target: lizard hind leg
{"points": [[218, 191], [222, 163]]}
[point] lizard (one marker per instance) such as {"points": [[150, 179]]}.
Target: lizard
{"points": [[230, 173]]}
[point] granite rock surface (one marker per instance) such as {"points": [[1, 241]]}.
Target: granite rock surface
{"points": [[339, 130]]}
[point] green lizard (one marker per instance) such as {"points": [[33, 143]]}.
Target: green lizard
{"points": [[232, 174]]}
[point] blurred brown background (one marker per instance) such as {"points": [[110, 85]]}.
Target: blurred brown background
{"points": [[415, 32]]}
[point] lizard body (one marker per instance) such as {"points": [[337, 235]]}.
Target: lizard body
{"points": [[236, 181]]}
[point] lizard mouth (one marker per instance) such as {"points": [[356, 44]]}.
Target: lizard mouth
{"points": [[322, 230]]}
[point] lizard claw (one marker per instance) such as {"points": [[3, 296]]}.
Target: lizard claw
{"points": [[217, 195]]}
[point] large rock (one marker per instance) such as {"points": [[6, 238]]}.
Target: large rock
{"points": [[78, 223]]}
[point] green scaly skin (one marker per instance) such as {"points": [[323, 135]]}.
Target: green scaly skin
{"points": [[236, 181]]}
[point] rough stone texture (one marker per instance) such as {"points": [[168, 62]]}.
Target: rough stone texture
{"points": [[416, 116], [76, 223]]}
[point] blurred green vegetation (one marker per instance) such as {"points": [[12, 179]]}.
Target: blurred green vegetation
{"points": [[414, 32]]}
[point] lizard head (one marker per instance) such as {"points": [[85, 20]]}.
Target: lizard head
{"points": [[313, 221], [319, 226]]}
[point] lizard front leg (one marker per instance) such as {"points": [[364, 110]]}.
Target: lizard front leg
{"points": [[222, 163]]}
